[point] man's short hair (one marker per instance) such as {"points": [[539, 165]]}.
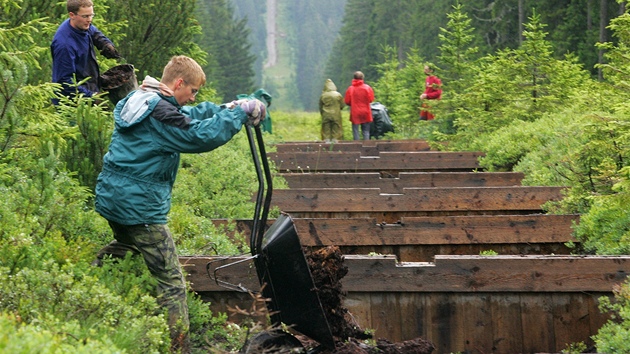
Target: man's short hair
{"points": [[75, 5], [181, 66], [358, 75]]}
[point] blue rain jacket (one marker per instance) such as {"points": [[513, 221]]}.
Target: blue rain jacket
{"points": [[73, 54]]}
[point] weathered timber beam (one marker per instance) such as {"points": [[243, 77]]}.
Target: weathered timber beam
{"points": [[446, 274], [332, 161], [440, 230], [372, 147], [403, 180], [414, 199]]}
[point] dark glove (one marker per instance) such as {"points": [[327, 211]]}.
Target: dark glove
{"points": [[109, 51], [255, 110]]}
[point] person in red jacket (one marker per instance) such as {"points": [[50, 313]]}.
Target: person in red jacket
{"points": [[432, 91], [358, 97]]}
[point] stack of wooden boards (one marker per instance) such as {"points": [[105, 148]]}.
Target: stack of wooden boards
{"points": [[417, 228]]}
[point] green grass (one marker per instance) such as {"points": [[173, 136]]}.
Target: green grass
{"points": [[301, 126]]}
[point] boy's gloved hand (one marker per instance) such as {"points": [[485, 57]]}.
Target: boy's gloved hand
{"points": [[235, 103], [256, 111]]}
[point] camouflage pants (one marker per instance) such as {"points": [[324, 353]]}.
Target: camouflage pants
{"points": [[155, 244]]}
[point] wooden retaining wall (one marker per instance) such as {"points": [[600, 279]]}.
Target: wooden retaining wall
{"points": [[395, 184], [419, 239], [369, 202], [333, 161], [468, 304], [367, 148], [411, 224]]}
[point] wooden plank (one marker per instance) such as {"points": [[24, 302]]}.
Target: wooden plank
{"points": [[478, 324], [222, 302], [346, 200], [310, 162], [426, 253], [537, 320], [412, 319], [438, 230], [419, 239], [369, 147], [571, 320], [440, 319], [358, 305], [385, 311], [458, 324], [404, 180], [449, 273], [332, 161], [201, 273], [507, 330], [596, 317]]}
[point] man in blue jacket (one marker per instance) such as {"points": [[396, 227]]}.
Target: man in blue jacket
{"points": [[133, 191], [73, 51]]}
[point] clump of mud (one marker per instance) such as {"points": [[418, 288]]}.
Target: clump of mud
{"points": [[117, 76], [327, 268], [118, 82]]}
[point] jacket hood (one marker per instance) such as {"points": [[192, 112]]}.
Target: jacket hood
{"points": [[357, 82], [329, 85], [139, 104]]}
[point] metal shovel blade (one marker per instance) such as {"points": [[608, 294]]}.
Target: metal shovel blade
{"points": [[289, 283]]}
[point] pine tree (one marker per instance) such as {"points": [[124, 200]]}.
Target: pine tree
{"points": [[157, 31], [515, 85], [226, 39], [457, 54], [253, 11], [457, 64], [320, 20], [351, 50]]}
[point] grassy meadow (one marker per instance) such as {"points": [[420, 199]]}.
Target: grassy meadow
{"points": [[301, 126]]}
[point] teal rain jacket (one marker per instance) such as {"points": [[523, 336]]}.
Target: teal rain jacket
{"points": [[140, 167]]}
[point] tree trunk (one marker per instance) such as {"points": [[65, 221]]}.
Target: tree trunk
{"points": [[603, 16], [521, 20], [589, 15]]}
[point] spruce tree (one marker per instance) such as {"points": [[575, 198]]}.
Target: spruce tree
{"points": [[350, 52], [313, 20], [457, 55], [148, 34], [226, 40], [519, 84], [457, 63]]}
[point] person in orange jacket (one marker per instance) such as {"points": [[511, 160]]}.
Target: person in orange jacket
{"points": [[432, 91], [359, 96]]}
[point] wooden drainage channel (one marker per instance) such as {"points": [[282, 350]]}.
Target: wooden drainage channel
{"points": [[412, 239]]}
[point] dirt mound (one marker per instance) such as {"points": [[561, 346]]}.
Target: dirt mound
{"points": [[327, 268]]}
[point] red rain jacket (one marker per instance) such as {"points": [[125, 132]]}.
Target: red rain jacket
{"points": [[359, 96]]}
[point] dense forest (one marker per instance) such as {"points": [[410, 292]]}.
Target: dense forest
{"points": [[547, 96], [574, 26], [303, 33], [332, 39]]}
